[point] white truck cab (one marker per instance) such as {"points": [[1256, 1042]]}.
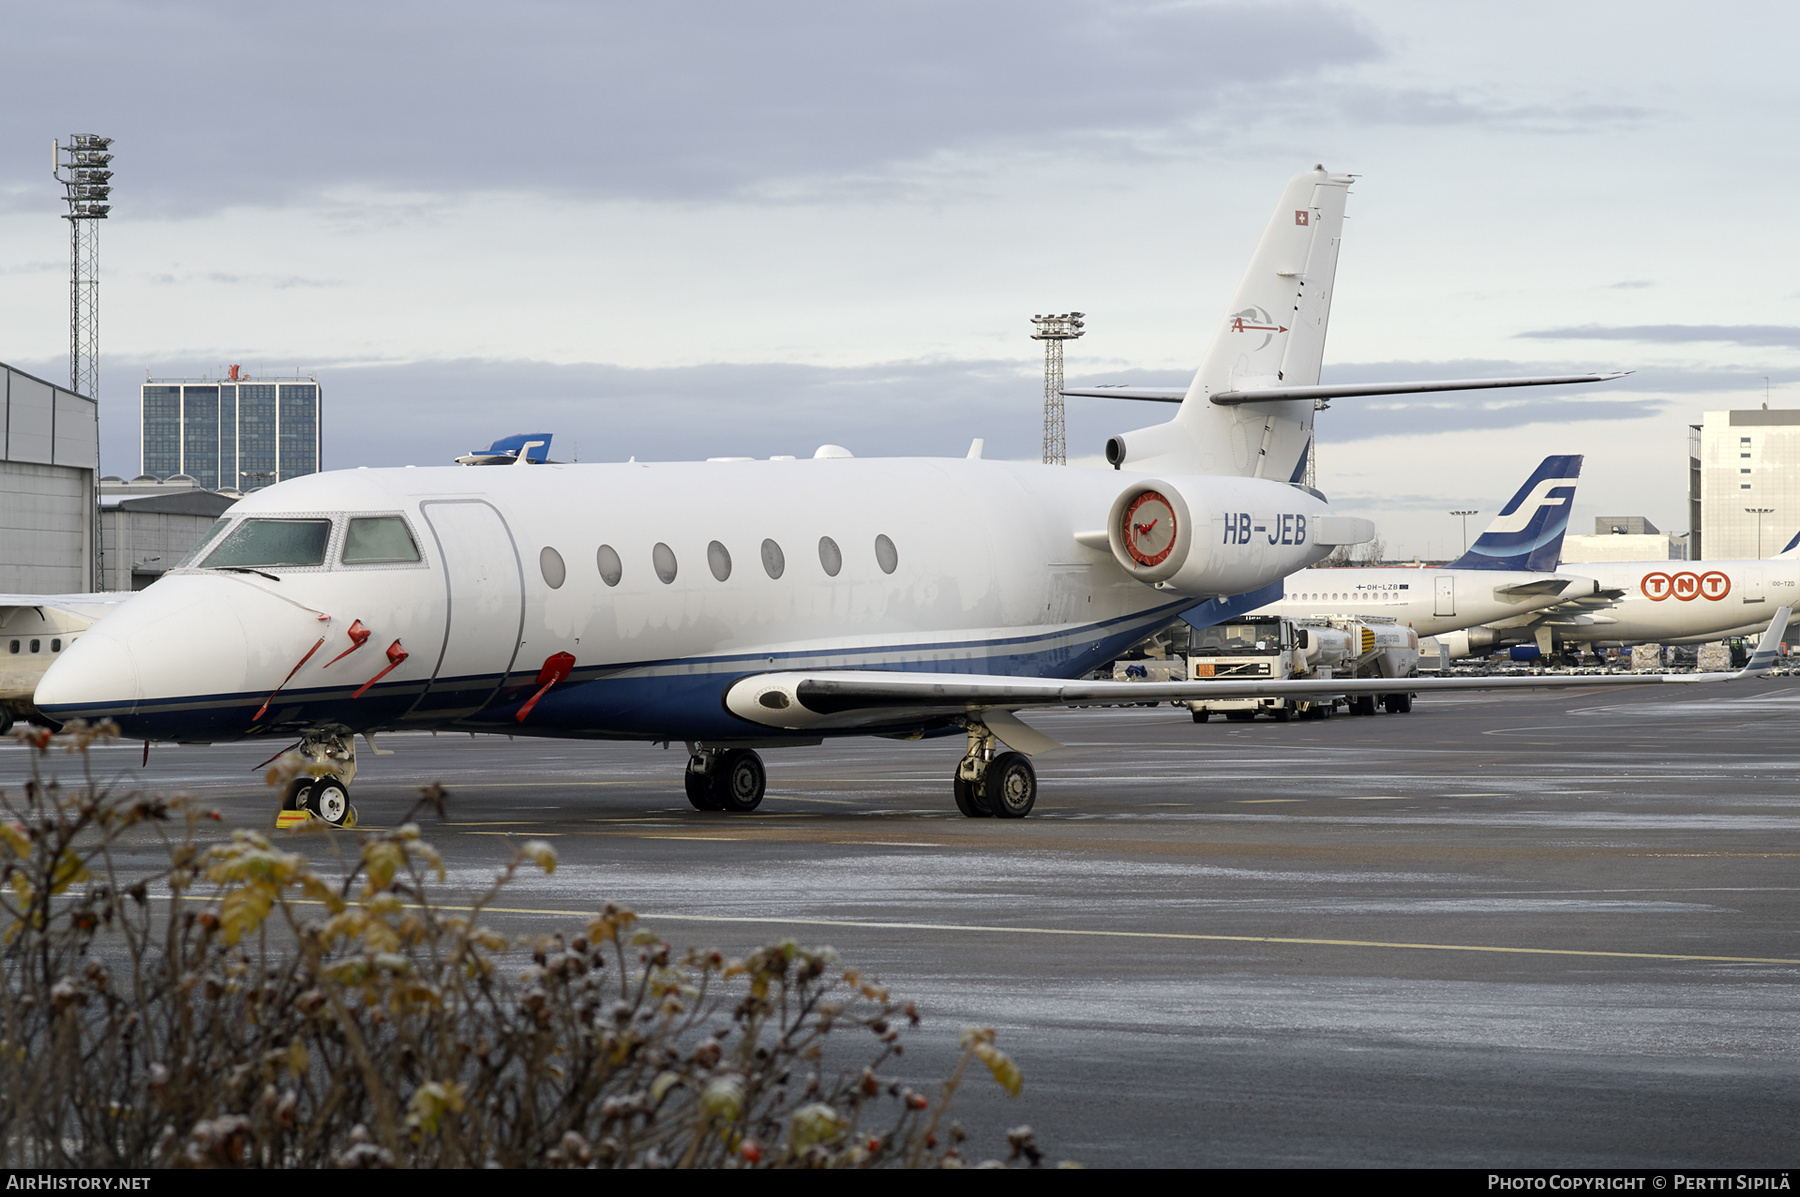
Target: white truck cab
{"points": [[1278, 648]]}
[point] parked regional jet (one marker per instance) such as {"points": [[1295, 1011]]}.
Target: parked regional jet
{"points": [[1652, 602], [34, 631], [742, 604], [1510, 571]]}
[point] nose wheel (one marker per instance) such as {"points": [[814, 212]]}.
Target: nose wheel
{"points": [[322, 789]]}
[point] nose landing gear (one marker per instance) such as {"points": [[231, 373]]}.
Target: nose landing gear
{"points": [[321, 790], [730, 779]]}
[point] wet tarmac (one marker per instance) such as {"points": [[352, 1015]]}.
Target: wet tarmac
{"points": [[1498, 932]]}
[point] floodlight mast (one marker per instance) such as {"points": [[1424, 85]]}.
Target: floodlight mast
{"points": [[82, 167], [1053, 331]]}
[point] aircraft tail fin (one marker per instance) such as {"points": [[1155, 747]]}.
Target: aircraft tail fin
{"points": [[1790, 549], [1528, 532], [1272, 335]]}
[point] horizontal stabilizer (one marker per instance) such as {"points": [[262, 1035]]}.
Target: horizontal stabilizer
{"points": [[1340, 390], [1153, 394], [1351, 390]]}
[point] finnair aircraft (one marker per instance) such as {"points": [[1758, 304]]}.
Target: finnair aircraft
{"points": [[733, 605], [1653, 602], [1509, 572]]}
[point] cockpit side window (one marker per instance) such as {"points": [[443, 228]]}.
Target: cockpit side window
{"points": [[379, 540], [260, 543], [200, 545]]}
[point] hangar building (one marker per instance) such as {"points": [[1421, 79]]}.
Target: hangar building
{"points": [[49, 463]]}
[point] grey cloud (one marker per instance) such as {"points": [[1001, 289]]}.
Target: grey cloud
{"points": [[1785, 336], [33, 267], [270, 282], [1419, 107], [428, 412], [1631, 284], [216, 104]]}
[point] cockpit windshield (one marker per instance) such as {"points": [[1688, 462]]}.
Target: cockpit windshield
{"points": [[261, 543], [1243, 638]]}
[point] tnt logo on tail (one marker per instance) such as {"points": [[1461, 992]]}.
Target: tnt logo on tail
{"points": [[1528, 533]]}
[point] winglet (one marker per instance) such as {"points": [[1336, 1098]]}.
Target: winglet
{"points": [[1763, 659]]}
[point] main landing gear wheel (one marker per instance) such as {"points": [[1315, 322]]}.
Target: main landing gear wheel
{"points": [[1397, 704], [732, 780], [1009, 789], [328, 800], [968, 797], [699, 788]]}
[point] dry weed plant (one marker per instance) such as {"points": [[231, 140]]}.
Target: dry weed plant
{"points": [[168, 1003]]}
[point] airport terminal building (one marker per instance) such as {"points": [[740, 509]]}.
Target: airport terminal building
{"points": [[234, 433], [1743, 483]]}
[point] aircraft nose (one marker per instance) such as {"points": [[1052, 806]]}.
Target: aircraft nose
{"points": [[96, 677]]}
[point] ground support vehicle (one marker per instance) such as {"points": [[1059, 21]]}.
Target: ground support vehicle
{"points": [[1304, 650]]}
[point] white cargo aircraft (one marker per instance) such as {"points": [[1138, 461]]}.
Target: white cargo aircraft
{"points": [[741, 604], [1652, 602]]}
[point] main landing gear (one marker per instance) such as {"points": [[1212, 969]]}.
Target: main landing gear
{"points": [[321, 789], [991, 784], [724, 779]]}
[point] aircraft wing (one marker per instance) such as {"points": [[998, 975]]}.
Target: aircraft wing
{"points": [[852, 698], [1538, 586], [87, 606]]}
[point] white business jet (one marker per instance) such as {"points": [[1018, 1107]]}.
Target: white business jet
{"points": [[733, 605]]}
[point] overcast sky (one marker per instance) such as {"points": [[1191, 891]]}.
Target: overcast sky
{"points": [[682, 230]]}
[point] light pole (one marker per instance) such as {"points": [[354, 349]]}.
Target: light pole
{"points": [[1465, 526], [1053, 331], [1759, 512]]}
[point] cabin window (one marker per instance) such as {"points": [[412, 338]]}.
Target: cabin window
{"points": [[886, 555], [663, 558], [379, 540], [611, 568], [550, 564], [212, 534], [830, 556], [774, 561], [260, 543], [718, 559], [37, 646], [56, 646], [15, 646]]}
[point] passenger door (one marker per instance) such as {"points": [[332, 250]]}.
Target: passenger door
{"points": [[484, 619], [1446, 595]]}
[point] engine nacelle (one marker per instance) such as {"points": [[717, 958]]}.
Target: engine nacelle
{"points": [[1218, 536], [1469, 642]]}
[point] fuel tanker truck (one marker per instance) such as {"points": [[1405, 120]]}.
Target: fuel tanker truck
{"points": [[1322, 648]]}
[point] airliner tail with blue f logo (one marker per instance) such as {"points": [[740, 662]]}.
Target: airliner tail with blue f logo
{"points": [[1528, 533]]}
